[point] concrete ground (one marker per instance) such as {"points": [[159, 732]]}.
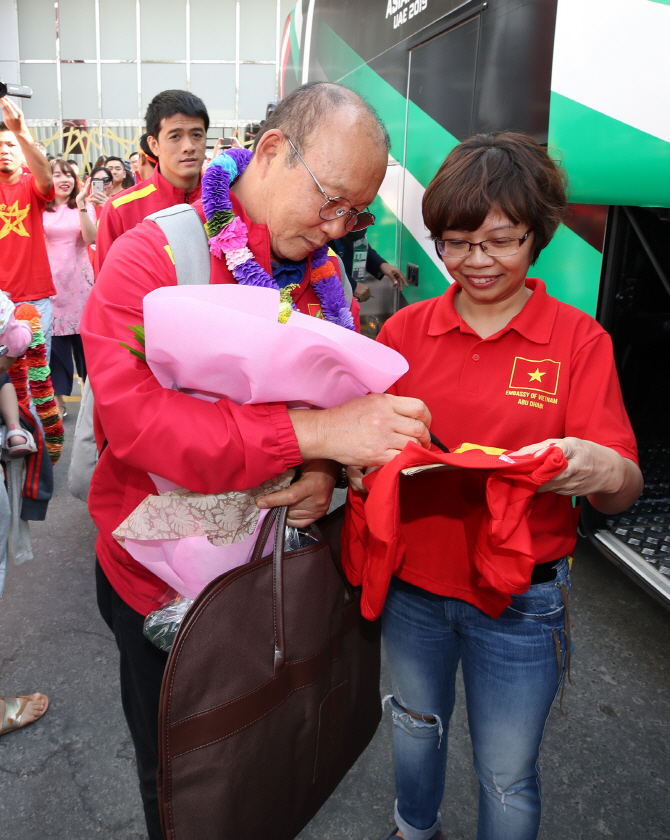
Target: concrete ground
{"points": [[606, 767]]}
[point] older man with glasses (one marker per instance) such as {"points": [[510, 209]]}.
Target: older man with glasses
{"points": [[317, 165]]}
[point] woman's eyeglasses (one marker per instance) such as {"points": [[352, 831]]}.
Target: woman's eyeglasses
{"points": [[338, 207], [102, 180], [505, 246]]}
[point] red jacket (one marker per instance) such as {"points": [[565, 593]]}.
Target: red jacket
{"points": [[206, 447], [128, 208], [480, 545]]}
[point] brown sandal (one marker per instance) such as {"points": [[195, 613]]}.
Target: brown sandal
{"points": [[12, 708]]}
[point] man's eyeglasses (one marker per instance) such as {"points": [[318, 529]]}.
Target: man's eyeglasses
{"points": [[505, 246], [102, 180], [338, 207]]}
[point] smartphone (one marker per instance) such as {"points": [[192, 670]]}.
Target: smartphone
{"points": [[97, 186], [226, 142]]}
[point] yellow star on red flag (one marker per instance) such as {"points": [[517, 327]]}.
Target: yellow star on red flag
{"points": [[13, 219]]}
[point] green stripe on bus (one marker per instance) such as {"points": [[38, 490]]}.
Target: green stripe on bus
{"points": [[571, 268], [608, 161]]}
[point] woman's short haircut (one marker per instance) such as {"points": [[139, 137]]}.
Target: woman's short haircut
{"points": [[506, 171], [167, 103], [66, 169]]}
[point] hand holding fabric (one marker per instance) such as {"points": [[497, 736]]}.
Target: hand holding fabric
{"points": [[593, 470]]}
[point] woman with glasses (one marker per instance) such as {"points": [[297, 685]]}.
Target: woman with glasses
{"points": [[100, 191], [500, 363]]}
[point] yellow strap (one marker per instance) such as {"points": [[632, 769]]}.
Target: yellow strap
{"points": [[169, 252], [125, 199]]}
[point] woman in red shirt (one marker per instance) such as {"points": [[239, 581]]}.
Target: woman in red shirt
{"points": [[501, 363]]}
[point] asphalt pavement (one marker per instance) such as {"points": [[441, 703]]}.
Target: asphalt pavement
{"points": [[71, 776]]}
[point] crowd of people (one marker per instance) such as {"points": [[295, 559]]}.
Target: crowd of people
{"points": [[86, 256]]}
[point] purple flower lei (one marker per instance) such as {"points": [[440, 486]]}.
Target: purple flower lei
{"points": [[216, 183]]}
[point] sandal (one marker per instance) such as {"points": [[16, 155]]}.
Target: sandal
{"points": [[20, 450], [13, 708]]}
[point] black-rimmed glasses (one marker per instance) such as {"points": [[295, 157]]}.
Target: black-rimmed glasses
{"points": [[338, 207], [105, 180], [505, 246]]}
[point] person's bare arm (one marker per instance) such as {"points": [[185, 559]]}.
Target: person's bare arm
{"points": [[39, 167], [611, 483], [5, 363], [88, 227]]}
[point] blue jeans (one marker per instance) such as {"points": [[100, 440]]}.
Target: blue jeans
{"points": [[512, 669]]}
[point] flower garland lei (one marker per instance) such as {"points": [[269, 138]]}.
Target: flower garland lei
{"points": [[228, 235], [32, 371]]}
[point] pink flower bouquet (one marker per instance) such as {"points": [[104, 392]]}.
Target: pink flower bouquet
{"points": [[225, 341]]}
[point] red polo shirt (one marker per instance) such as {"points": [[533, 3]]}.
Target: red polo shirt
{"points": [[548, 374], [26, 274], [127, 209], [207, 447]]}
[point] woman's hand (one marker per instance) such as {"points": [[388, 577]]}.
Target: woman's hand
{"points": [[611, 482], [81, 195], [309, 498], [97, 199]]}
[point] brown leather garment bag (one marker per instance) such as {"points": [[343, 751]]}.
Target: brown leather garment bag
{"points": [[271, 693]]}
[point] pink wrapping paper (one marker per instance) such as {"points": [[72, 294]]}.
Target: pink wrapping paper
{"points": [[225, 341], [189, 564]]}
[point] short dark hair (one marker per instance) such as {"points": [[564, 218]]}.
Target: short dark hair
{"points": [[132, 155], [299, 114], [101, 169], [72, 160], [3, 127], [113, 157], [506, 171], [64, 166], [167, 103], [144, 148]]}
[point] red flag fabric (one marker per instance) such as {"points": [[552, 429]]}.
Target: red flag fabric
{"points": [[485, 551]]}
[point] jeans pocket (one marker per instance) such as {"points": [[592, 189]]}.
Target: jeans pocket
{"points": [[542, 601]]}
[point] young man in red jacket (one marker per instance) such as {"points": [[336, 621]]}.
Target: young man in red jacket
{"points": [[322, 145], [177, 123]]}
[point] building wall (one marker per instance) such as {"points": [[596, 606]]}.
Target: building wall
{"points": [[94, 65]]}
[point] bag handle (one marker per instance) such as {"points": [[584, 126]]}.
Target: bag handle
{"points": [[263, 535], [276, 516], [278, 589]]}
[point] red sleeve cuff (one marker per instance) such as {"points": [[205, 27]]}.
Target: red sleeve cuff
{"points": [[286, 439]]}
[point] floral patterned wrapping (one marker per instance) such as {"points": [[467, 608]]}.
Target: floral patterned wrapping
{"points": [[224, 518]]}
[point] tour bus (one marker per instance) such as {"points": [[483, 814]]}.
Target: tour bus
{"points": [[591, 78]]}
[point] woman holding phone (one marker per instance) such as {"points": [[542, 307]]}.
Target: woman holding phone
{"points": [[498, 362], [69, 226], [100, 192]]}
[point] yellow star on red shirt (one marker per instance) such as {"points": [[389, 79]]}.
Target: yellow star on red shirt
{"points": [[13, 219], [536, 376]]}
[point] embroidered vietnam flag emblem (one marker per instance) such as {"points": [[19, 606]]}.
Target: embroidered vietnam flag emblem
{"points": [[535, 375]]}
